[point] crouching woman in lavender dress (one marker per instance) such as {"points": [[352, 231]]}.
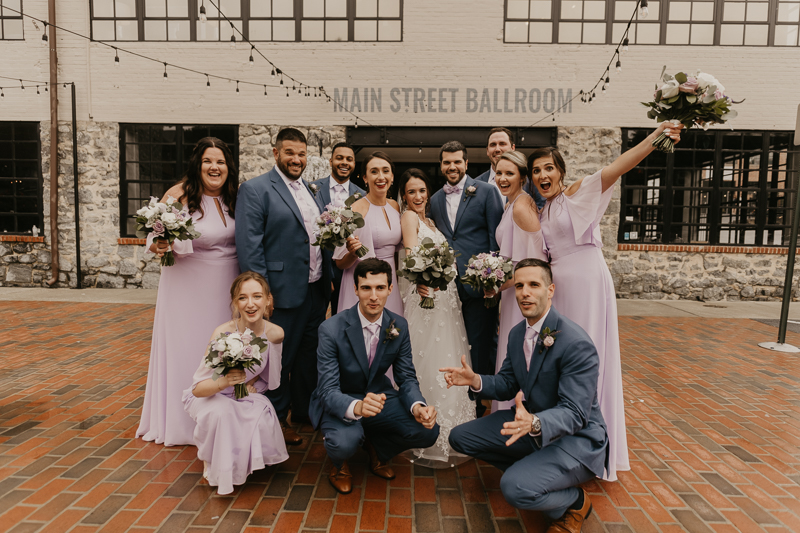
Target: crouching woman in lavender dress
{"points": [[234, 437]]}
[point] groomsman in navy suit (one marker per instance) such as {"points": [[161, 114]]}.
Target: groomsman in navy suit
{"points": [[355, 403], [468, 212], [275, 215], [556, 437], [501, 140], [334, 190]]}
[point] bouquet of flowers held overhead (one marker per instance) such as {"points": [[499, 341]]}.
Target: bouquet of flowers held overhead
{"points": [[336, 224], [690, 99], [429, 264], [168, 220], [487, 272], [235, 350]]}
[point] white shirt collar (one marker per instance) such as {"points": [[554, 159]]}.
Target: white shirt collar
{"points": [[492, 174], [286, 180], [364, 321], [538, 325], [333, 183]]}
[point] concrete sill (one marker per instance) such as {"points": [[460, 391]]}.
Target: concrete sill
{"points": [[135, 242], [20, 238], [703, 249]]}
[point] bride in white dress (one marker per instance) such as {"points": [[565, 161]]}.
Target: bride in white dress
{"points": [[438, 336]]}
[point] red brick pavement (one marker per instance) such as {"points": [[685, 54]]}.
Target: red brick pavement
{"points": [[713, 429]]}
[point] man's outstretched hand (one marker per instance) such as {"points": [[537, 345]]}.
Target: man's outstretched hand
{"points": [[460, 377], [521, 424]]}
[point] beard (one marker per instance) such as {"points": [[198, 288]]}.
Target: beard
{"points": [[292, 174]]}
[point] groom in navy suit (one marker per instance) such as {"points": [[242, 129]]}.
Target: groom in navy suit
{"points": [[275, 215], [355, 402], [556, 435], [467, 212], [334, 190]]}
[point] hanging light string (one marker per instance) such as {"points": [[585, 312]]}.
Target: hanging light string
{"points": [[587, 97], [32, 84]]}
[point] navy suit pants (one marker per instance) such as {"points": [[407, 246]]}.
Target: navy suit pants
{"points": [[539, 479], [299, 362], [392, 431], [481, 324], [337, 285]]}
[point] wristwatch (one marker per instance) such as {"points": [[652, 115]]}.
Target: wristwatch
{"points": [[536, 425]]}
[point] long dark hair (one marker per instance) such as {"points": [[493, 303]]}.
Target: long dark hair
{"points": [[193, 183], [558, 161], [406, 177]]}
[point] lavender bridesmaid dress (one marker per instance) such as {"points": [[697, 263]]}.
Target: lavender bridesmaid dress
{"points": [[193, 299], [237, 437], [517, 244], [382, 238], [585, 294]]}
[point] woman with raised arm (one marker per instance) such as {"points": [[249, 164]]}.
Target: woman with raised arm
{"points": [[235, 437], [192, 294], [438, 335], [584, 291], [381, 233]]}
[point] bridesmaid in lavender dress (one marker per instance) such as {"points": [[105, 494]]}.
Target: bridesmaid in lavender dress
{"points": [[192, 294], [519, 236], [234, 437], [381, 232], [584, 289]]}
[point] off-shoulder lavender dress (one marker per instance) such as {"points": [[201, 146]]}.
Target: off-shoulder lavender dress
{"points": [[517, 244], [237, 437], [585, 294], [382, 235], [193, 299]]}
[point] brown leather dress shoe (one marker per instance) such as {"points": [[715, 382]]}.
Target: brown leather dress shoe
{"points": [[572, 521], [290, 436], [378, 468], [341, 479]]}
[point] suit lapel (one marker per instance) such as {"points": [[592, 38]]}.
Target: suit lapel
{"points": [[442, 201], [462, 204], [286, 194], [324, 191], [381, 346], [356, 336], [352, 188], [537, 358]]}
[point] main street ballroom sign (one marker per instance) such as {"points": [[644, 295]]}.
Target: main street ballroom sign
{"points": [[451, 100]]}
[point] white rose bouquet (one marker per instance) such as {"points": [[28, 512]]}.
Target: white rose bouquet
{"points": [[336, 224], [487, 272], [168, 220], [691, 100], [429, 264], [229, 351]]}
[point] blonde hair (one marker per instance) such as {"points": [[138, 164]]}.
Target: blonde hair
{"points": [[236, 288], [519, 160]]}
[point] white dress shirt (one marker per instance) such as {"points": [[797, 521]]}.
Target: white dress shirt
{"points": [[310, 211], [453, 200], [493, 181], [338, 196]]}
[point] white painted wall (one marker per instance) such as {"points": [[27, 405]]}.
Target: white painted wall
{"points": [[447, 44]]}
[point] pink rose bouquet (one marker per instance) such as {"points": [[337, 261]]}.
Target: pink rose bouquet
{"points": [[165, 220], [691, 100], [235, 350]]}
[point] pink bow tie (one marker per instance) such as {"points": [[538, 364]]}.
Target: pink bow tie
{"points": [[451, 189]]}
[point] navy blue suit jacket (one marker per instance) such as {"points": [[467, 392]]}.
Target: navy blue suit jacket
{"points": [[528, 188], [560, 387], [344, 371], [325, 189], [271, 238], [476, 222]]}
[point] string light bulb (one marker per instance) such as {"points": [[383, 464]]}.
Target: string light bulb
{"points": [[420, 149], [21, 85], [203, 17], [237, 87], [265, 90], [643, 10], [116, 57], [356, 124], [252, 47], [166, 76], [37, 90], [287, 92], [44, 34], [608, 80], [208, 81], [625, 43], [273, 73], [2, 94], [233, 42], [619, 65]]}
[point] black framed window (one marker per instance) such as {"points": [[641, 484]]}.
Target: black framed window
{"points": [[257, 20], [11, 27], [20, 177], [669, 22], [718, 188], [154, 157]]}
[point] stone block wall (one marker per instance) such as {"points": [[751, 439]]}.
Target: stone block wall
{"points": [[24, 264]]}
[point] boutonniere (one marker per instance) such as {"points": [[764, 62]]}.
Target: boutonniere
{"points": [[351, 200], [548, 338], [469, 192], [314, 188], [391, 332]]}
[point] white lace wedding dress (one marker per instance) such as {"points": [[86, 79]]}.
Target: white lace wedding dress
{"points": [[438, 339]]}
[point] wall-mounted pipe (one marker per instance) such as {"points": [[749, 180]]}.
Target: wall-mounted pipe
{"points": [[51, 12]]}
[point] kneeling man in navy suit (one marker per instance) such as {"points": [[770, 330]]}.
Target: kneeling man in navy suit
{"points": [[556, 438], [354, 403]]}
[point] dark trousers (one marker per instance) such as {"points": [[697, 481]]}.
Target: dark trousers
{"points": [[337, 284], [540, 479], [481, 324], [392, 431], [299, 361]]}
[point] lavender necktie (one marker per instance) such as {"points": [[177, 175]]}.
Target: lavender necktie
{"points": [[373, 342], [527, 347]]}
